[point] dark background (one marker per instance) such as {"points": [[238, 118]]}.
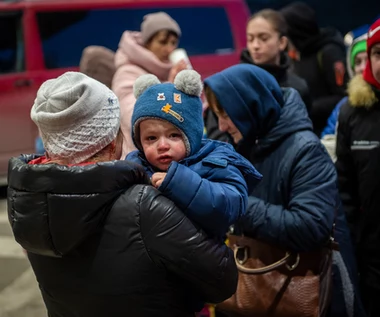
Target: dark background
{"points": [[345, 15]]}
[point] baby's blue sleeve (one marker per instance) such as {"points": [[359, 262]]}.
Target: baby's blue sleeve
{"points": [[214, 202], [333, 119]]}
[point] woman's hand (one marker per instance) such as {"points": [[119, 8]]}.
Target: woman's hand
{"points": [[181, 65], [157, 179]]}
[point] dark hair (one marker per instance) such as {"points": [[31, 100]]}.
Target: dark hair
{"points": [[213, 102], [274, 18], [167, 33]]}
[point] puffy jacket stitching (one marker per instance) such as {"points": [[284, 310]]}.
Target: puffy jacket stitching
{"points": [[195, 195], [148, 251], [48, 225], [139, 199]]}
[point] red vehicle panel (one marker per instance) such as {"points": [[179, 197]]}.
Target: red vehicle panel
{"points": [[46, 38]]}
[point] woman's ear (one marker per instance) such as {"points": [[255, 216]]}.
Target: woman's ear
{"points": [[118, 145], [143, 83], [283, 43]]}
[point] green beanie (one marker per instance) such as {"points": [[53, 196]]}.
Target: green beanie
{"points": [[358, 47]]}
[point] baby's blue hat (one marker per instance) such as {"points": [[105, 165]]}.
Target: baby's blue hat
{"points": [[178, 103]]}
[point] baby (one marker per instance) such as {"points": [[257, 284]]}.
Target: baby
{"points": [[207, 179]]}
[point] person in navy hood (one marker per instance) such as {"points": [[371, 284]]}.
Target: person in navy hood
{"points": [[297, 201]]}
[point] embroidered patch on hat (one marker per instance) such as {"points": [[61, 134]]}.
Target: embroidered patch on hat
{"points": [[168, 109], [177, 98], [161, 96], [111, 100]]}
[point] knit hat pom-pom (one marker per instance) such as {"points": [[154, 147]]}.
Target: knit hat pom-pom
{"points": [[143, 83], [189, 82]]}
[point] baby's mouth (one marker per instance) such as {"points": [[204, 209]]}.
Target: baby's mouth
{"points": [[165, 159]]}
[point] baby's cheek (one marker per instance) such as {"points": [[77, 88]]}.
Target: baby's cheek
{"points": [[150, 155]]}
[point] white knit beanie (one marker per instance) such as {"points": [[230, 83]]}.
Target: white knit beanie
{"points": [[77, 116]]}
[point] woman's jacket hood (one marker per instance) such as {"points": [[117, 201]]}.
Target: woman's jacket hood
{"points": [[280, 72], [250, 96], [293, 118], [53, 208], [361, 93]]}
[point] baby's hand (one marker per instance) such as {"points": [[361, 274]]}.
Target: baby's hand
{"points": [[157, 179]]}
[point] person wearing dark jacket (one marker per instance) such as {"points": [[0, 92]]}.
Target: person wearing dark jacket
{"points": [[295, 204], [266, 44], [101, 240], [322, 60], [356, 59], [358, 166]]}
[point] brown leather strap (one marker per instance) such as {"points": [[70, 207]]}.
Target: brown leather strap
{"points": [[265, 269]]}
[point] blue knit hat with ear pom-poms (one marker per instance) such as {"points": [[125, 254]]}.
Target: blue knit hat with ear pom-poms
{"points": [[178, 103]]}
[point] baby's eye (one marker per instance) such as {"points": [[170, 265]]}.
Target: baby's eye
{"points": [[151, 138], [175, 135]]}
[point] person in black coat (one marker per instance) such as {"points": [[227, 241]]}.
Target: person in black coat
{"points": [[101, 240], [321, 60], [358, 166], [266, 44]]}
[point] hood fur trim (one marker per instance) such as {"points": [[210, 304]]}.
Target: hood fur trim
{"points": [[360, 93]]}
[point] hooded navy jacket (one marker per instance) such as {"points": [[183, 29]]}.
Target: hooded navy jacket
{"points": [[295, 203]]}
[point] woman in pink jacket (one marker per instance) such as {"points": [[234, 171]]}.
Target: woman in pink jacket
{"points": [[141, 53]]}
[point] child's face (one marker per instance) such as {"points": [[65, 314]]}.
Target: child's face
{"points": [[162, 143], [359, 63], [162, 45], [375, 61]]}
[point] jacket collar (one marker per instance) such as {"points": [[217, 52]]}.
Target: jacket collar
{"points": [[280, 72], [64, 204]]}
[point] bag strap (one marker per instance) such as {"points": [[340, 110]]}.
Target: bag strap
{"points": [[331, 244], [265, 269]]}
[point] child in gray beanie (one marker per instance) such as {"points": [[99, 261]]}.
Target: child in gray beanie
{"points": [[207, 179]]}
